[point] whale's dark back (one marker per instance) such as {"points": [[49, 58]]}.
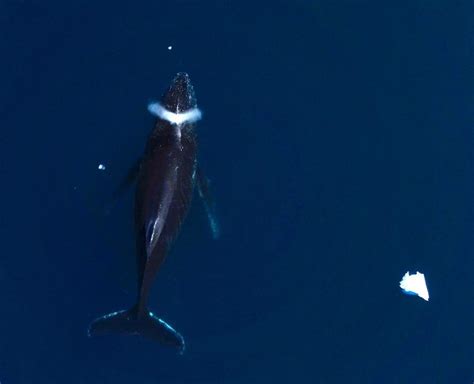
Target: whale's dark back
{"points": [[168, 163]]}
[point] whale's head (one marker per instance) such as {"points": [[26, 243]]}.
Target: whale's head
{"points": [[178, 104], [180, 96]]}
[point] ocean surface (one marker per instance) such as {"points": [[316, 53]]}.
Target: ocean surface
{"points": [[339, 140]]}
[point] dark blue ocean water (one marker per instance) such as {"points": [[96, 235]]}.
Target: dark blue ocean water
{"points": [[338, 136]]}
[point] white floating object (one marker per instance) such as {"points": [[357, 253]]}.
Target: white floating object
{"points": [[170, 47], [101, 167], [190, 116], [415, 285]]}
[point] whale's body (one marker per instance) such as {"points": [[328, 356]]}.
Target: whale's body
{"points": [[165, 184]]}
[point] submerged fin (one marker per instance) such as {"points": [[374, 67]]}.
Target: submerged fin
{"points": [[131, 323], [203, 188], [129, 178], [126, 183]]}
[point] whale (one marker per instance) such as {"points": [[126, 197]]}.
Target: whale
{"points": [[166, 176]]}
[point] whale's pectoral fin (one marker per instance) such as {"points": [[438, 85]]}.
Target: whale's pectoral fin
{"points": [[129, 179], [203, 187], [126, 183]]}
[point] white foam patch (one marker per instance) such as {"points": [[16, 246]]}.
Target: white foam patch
{"points": [[190, 116], [415, 285]]}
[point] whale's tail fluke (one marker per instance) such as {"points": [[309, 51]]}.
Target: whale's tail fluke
{"points": [[133, 323]]}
